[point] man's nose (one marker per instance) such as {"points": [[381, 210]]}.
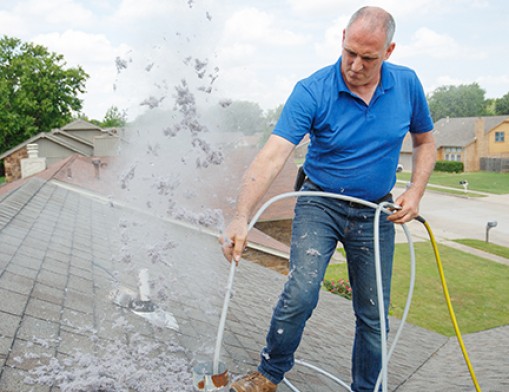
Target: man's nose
{"points": [[357, 64]]}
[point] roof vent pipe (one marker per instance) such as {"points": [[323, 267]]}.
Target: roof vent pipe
{"points": [[97, 166]]}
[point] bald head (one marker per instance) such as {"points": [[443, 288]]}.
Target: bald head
{"points": [[375, 19]]}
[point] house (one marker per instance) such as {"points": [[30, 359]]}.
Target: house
{"points": [[481, 143], [78, 137]]}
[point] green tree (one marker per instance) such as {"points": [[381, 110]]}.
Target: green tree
{"points": [[242, 116], [466, 100], [502, 105], [271, 118], [490, 107], [82, 116], [37, 91], [114, 117]]}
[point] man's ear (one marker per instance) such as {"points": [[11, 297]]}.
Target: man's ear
{"points": [[389, 51]]}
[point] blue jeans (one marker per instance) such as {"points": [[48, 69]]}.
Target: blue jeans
{"points": [[318, 225]]}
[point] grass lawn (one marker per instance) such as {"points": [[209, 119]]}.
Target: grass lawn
{"points": [[491, 182], [487, 247], [2, 180], [478, 289]]}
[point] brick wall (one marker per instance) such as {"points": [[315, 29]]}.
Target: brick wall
{"points": [[12, 165]]}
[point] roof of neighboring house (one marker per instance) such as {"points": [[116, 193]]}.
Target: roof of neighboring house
{"points": [[63, 137], [456, 131], [44, 135], [71, 255], [460, 132], [81, 125], [72, 137]]}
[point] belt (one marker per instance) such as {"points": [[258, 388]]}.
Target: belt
{"points": [[354, 204]]}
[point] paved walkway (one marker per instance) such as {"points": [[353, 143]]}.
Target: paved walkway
{"points": [[64, 252], [477, 252]]}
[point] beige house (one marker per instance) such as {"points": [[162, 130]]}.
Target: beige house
{"points": [[78, 137], [481, 143]]}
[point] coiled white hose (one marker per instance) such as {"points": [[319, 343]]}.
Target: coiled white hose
{"points": [[385, 356]]}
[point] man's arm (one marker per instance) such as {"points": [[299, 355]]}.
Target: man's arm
{"points": [[255, 182], [424, 157]]}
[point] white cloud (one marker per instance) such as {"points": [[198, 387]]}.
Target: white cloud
{"points": [[96, 55], [448, 80], [495, 85], [80, 47], [427, 42], [322, 7], [345, 8], [55, 12], [261, 48], [12, 24], [133, 9], [241, 83], [253, 25], [330, 47], [398, 8], [236, 53], [252, 54], [414, 8]]}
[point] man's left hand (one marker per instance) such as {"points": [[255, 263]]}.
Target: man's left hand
{"points": [[409, 203]]}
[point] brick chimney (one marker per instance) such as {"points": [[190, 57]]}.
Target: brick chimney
{"points": [[12, 164]]}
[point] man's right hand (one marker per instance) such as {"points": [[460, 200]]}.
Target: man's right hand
{"points": [[234, 239], [256, 180]]}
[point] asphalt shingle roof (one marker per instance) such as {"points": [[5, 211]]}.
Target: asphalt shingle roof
{"points": [[65, 251], [460, 131], [456, 131]]}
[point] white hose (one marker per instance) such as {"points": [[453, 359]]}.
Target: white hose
{"points": [[321, 371], [382, 377], [380, 294], [385, 363], [226, 303], [222, 321]]}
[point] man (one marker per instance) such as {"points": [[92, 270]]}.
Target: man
{"points": [[357, 113]]}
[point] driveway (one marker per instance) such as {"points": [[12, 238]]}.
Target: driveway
{"points": [[453, 217]]}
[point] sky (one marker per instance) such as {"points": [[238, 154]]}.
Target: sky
{"points": [[135, 52]]}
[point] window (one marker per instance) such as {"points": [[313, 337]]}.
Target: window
{"points": [[453, 153], [499, 137]]}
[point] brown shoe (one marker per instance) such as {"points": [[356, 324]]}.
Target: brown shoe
{"points": [[253, 382]]}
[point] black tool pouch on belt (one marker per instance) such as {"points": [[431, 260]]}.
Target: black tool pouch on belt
{"points": [[299, 181]]}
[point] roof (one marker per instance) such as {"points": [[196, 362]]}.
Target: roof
{"points": [[456, 131], [63, 138], [460, 132], [80, 124], [69, 251]]}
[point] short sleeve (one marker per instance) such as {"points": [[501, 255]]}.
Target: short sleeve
{"points": [[421, 121], [297, 116]]}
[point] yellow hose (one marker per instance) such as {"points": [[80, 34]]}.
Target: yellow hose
{"points": [[449, 304]]}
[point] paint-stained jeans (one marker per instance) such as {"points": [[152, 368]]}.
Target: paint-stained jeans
{"points": [[318, 225]]}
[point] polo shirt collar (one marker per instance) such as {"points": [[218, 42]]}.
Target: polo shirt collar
{"points": [[386, 82]]}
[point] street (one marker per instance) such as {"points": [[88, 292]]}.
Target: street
{"points": [[453, 217]]}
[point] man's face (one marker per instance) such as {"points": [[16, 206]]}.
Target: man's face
{"points": [[363, 54]]}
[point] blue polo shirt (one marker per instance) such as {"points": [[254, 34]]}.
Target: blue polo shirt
{"points": [[354, 148]]}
